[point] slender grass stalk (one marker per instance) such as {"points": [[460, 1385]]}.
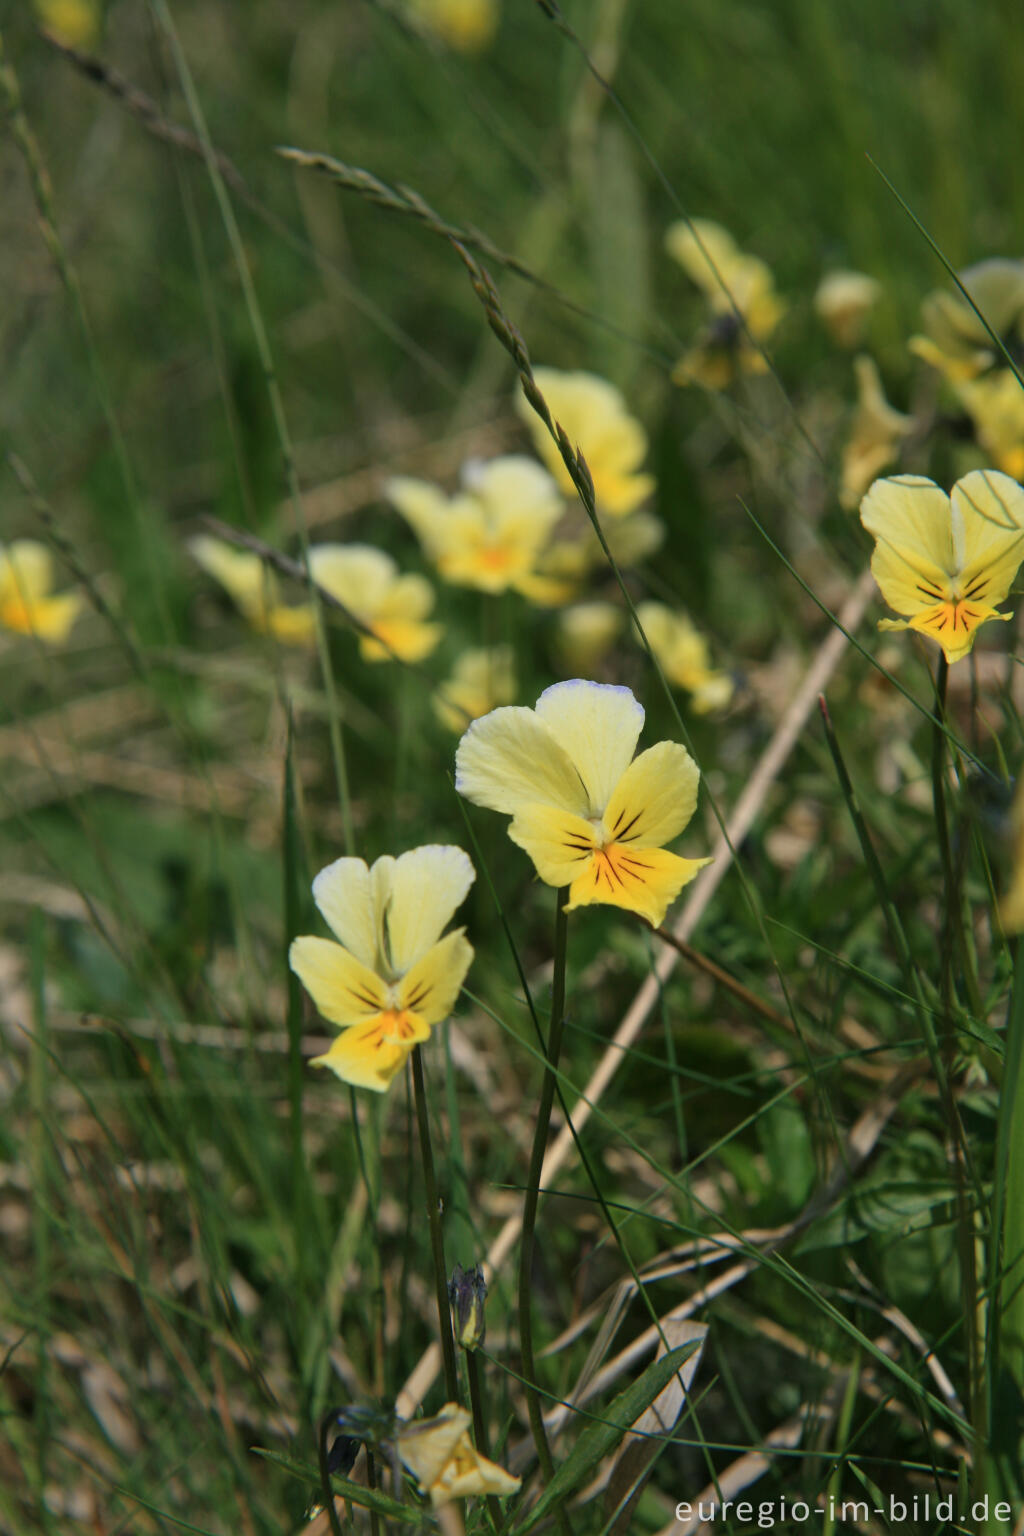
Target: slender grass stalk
{"points": [[444, 1315], [532, 1199], [1004, 1355], [371, 1482], [951, 917], [480, 1437]]}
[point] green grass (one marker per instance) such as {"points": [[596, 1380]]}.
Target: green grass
{"points": [[207, 1245]]}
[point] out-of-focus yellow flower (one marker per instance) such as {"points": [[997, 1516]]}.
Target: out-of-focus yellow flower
{"points": [[995, 404], [465, 25], [734, 284], [945, 561], [75, 22], [441, 1456], [590, 815], [252, 587], [955, 341], [875, 435], [26, 577], [481, 680], [492, 534], [843, 302], [391, 976], [392, 607], [586, 633], [685, 657], [1011, 904], [594, 416]]}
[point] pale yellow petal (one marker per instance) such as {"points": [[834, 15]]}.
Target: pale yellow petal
{"points": [[344, 893], [423, 506], [988, 526], [241, 573], [560, 844], [427, 885], [358, 575], [344, 990], [48, 618], [510, 758], [372, 1054], [910, 519], [704, 250], [430, 988], [26, 570], [641, 880], [654, 799], [597, 725], [425, 1445], [467, 1474], [404, 639], [292, 626]]}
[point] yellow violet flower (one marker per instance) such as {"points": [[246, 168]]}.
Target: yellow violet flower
{"points": [[586, 633], [955, 341], [391, 976], [481, 679], [995, 404], [491, 535], [590, 815], [252, 587], [442, 1458], [393, 607], [26, 576], [733, 283], [465, 25], [875, 435], [684, 656], [75, 22], [945, 561], [843, 302], [594, 416]]}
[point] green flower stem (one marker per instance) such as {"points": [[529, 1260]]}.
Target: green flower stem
{"points": [[952, 916], [476, 1403], [444, 1315], [540, 1141]]}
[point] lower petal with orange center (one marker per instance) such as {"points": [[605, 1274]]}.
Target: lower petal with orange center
{"points": [[371, 1055], [952, 624], [642, 880]]}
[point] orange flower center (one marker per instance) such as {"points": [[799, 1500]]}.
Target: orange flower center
{"points": [[17, 614], [394, 1027]]}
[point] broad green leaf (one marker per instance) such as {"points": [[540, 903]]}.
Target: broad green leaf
{"points": [[602, 1435]]}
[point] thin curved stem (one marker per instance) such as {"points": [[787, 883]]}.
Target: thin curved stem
{"points": [[533, 1177], [444, 1314]]}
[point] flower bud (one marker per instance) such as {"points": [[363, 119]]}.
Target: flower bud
{"points": [[467, 1291]]}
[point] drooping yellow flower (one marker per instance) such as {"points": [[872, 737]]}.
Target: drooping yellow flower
{"points": [[442, 1458], [252, 587], [995, 404], [26, 577], [735, 285], [945, 561], [466, 25], [492, 534], [875, 435], [75, 22], [481, 679], [955, 341], [843, 302], [393, 607], [391, 976], [590, 815], [594, 416], [586, 633], [684, 656]]}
